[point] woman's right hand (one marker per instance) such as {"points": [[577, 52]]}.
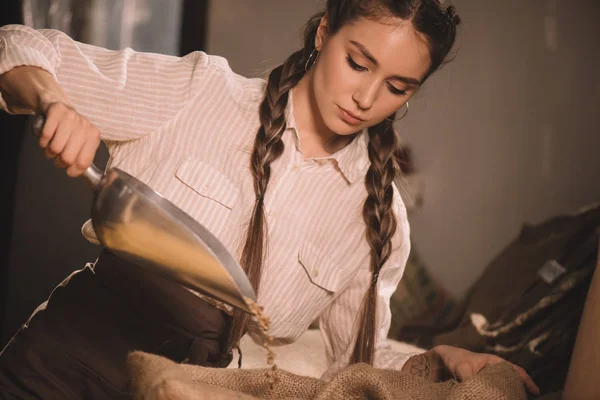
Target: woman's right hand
{"points": [[68, 138]]}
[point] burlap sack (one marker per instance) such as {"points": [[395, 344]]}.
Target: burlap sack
{"points": [[155, 377]]}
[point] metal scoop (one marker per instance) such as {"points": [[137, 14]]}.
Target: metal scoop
{"points": [[139, 225]]}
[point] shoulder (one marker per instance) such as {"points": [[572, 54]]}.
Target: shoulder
{"points": [[240, 89]]}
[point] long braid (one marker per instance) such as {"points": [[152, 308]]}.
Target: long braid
{"points": [[380, 227], [268, 147], [437, 21]]}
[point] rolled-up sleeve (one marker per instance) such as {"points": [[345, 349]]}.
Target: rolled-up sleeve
{"points": [[126, 94], [340, 324]]}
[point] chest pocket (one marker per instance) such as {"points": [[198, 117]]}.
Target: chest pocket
{"points": [[207, 181], [204, 193], [320, 268], [317, 280]]}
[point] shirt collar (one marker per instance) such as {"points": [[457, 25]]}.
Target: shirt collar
{"points": [[352, 160]]}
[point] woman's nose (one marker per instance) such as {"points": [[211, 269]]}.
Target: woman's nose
{"points": [[365, 95]]}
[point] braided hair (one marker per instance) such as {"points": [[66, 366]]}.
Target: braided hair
{"points": [[436, 21]]}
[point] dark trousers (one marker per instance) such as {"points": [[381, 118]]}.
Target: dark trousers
{"points": [[77, 347]]}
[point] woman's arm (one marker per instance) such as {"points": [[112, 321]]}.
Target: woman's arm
{"points": [[29, 90], [88, 93], [125, 94], [67, 137]]}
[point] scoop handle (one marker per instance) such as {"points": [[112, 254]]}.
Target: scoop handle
{"points": [[92, 174]]}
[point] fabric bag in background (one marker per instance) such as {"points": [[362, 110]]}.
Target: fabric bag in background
{"points": [[527, 304], [155, 377], [419, 303]]}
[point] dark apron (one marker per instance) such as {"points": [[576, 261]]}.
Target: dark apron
{"points": [[77, 347]]}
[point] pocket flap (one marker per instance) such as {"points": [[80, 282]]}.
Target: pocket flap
{"points": [[319, 267], [207, 181]]}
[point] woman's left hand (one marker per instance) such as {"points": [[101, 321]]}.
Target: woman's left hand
{"points": [[461, 364]]}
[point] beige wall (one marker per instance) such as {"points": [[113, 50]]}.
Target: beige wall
{"points": [[508, 133], [259, 34]]}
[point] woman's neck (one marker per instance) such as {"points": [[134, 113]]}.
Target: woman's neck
{"points": [[316, 140]]}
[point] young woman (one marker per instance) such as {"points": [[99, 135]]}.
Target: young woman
{"points": [[309, 154]]}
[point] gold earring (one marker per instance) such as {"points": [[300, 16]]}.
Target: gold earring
{"points": [[310, 57], [398, 119]]}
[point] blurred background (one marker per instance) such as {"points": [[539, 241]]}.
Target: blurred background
{"points": [[507, 134]]}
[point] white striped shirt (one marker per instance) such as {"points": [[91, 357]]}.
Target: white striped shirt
{"points": [[185, 127]]}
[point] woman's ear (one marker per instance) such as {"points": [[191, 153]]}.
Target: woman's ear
{"points": [[321, 33]]}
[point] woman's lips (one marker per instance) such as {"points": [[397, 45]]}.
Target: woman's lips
{"points": [[350, 118]]}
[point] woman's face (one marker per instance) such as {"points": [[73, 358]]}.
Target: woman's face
{"points": [[366, 71]]}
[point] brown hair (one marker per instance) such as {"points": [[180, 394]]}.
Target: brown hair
{"points": [[437, 22]]}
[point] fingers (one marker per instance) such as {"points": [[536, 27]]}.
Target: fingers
{"points": [[527, 381], [59, 140], [69, 139], [463, 365], [48, 131], [84, 158]]}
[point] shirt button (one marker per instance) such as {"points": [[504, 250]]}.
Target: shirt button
{"points": [[206, 187], [315, 272]]}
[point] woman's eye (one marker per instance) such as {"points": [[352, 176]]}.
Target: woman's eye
{"points": [[354, 65], [357, 67], [396, 91]]}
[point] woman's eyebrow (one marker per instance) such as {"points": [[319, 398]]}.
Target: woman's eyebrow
{"points": [[370, 57]]}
